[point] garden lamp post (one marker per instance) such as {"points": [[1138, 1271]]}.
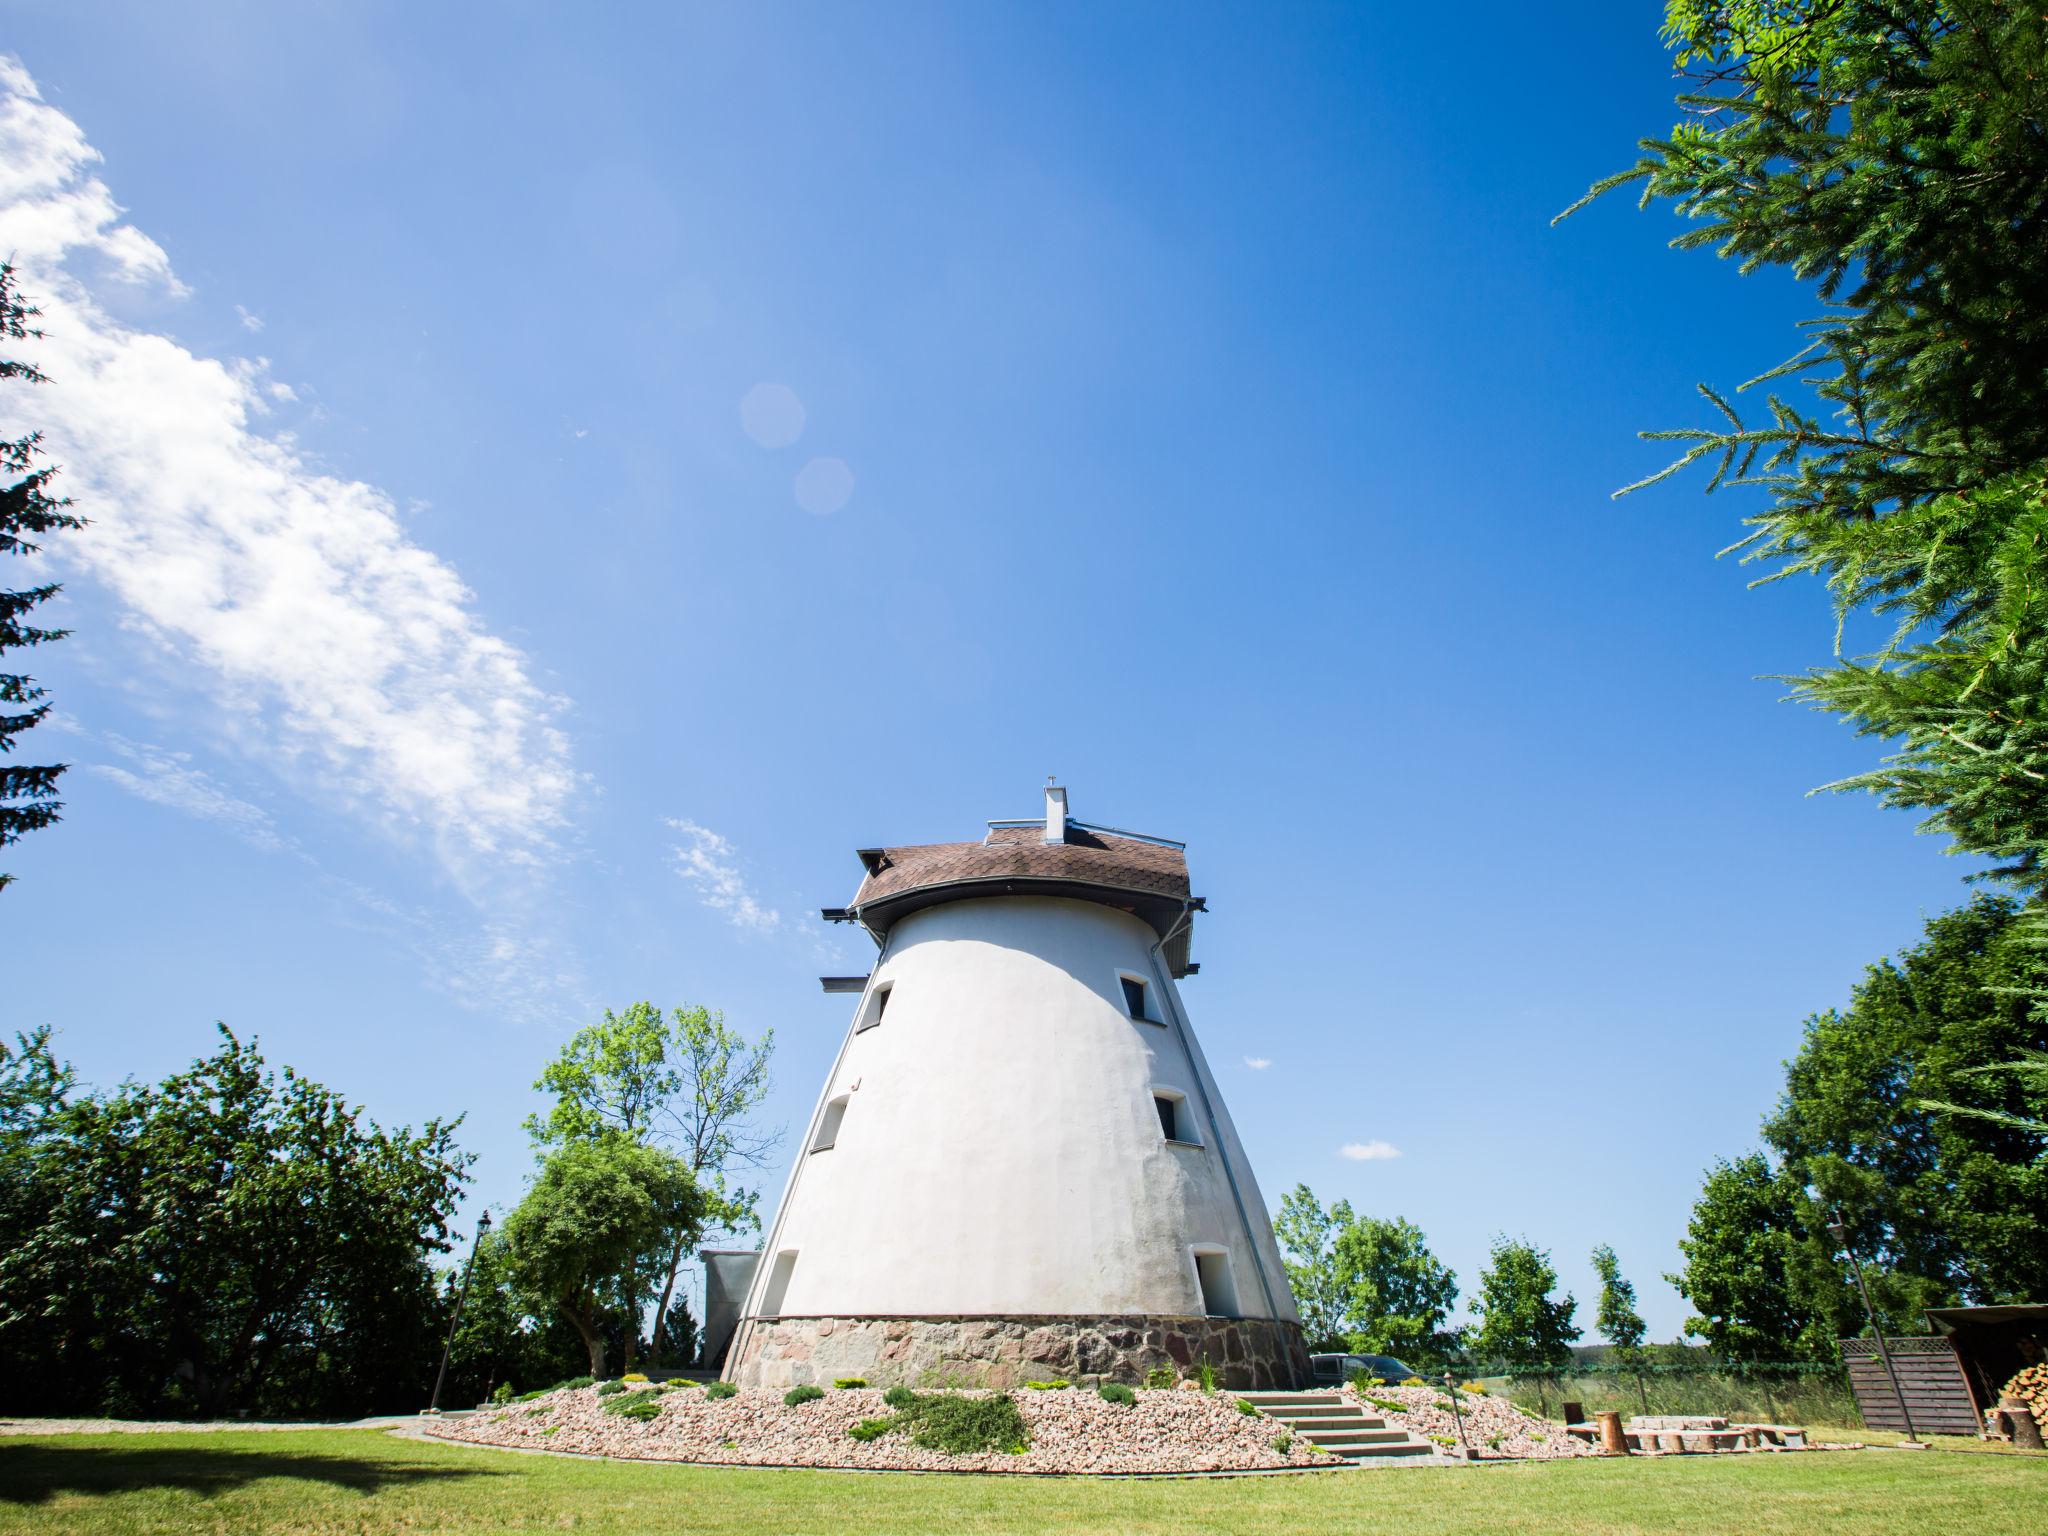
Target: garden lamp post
{"points": [[483, 1225], [1839, 1231], [1457, 1417]]}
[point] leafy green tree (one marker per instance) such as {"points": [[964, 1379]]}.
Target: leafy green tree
{"points": [[227, 1239], [1892, 153], [687, 1081], [600, 1214], [1519, 1323], [503, 1335], [1948, 1209], [2028, 1070], [1322, 1293], [28, 793], [1400, 1291], [1361, 1282], [1755, 1272], [1617, 1319]]}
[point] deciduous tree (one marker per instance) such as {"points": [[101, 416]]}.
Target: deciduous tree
{"points": [[1519, 1322]]}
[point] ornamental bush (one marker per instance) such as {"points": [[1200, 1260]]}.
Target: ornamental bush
{"points": [[640, 1407], [1117, 1392], [720, 1389], [899, 1397], [1048, 1386], [796, 1396], [610, 1388], [871, 1429], [1162, 1378], [961, 1426], [846, 1382], [573, 1383]]}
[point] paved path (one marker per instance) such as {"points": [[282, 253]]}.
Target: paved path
{"points": [[181, 1426]]}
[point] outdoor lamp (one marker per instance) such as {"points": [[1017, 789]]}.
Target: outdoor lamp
{"points": [[1457, 1417], [1839, 1231], [483, 1225]]}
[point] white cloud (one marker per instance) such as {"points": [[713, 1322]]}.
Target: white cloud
{"points": [[169, 779], [339, 647], [711, 865], [1369, 1151], [1258, 1063], [249, 322]]}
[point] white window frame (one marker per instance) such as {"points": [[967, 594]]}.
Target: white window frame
{"points": [[1200, 1251], [1183, 1116], [1151, 1013], [830, 1124], [872, 1006]]}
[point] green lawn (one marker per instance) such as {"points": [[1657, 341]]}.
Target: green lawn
{"points": [[365, 1481]]}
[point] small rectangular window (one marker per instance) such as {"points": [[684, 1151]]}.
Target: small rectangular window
{"points": [[1134, 997], [1219, 1291], [1169, 1116], [878, 1003], [828, 1128]]}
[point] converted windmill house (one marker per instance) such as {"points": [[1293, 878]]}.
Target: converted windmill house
{"points": [[1020, 1166]]}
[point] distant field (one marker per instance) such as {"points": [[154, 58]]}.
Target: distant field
{"points": [[369, 1482]]}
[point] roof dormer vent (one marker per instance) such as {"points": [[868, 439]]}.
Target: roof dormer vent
{"points": [[1055, 814]]}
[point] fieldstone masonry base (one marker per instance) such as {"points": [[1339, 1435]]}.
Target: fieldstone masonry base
{"points": [[1249, 1353]]}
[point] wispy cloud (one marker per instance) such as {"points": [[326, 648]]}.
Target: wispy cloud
{"points": [[169, 779], [249, 322], [349, 655], [711, 864], [1258, 1063], [1369, 1151]]}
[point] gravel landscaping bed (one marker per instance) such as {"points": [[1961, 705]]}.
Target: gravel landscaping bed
{"points": [[1071, 1430], [1487, 1419]]}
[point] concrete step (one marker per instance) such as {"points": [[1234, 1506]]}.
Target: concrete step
{"points": [[1381, 1449], [1271, 1400], [1357, 1435], [1312, 1411]]}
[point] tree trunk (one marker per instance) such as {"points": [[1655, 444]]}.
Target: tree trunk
{"points": [[668, 1287], [592, 1340]]}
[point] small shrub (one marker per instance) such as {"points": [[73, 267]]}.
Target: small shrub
{"points": [[552, 1429], [961, 1426], [1493, 1442], [871, 1429], [573, 1384], [1162, 1378], [1414, 1381], [527, 1397], [1539, 1439], [796, 1396], [1443, 1405], [843, 1383], [503, 1395], [637, 1406], [1048, 1386], [1205, 1374], [634, 1376], [1282, 1442], [1361, 1381], [1386, 1404], [1444, 1440], [1117, 1392], [539, 1413], [720, 1389], [899, 1397], [1473, 1389], [1249, 1410], [610, 1388]]}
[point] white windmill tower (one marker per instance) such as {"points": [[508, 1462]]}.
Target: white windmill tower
{"points": [[1020, 1166]]}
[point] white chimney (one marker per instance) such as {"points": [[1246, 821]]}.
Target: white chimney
{"points": [[1055, 814]]}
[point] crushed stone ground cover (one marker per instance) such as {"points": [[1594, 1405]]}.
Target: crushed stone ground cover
{"points": [[1072, 1430]]}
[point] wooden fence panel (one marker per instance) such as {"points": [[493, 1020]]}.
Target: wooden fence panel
{"points": [[1929, 1376]]}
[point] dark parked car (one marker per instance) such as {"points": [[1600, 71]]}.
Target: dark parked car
{"points": [[1332, 1369]]}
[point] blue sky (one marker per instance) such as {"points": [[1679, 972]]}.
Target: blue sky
{"points": [[564, 480]]}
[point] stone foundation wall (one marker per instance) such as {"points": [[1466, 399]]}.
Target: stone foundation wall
{"points": [[1249, 1353]]}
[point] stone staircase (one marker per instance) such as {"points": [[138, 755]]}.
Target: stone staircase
{"points": [[1335, 1422]]}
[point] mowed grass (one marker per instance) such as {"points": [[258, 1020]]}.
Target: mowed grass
{"points": [[370, 1482]]}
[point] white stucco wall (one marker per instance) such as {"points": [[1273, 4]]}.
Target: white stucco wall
{"points": [[1000, 1151]]}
